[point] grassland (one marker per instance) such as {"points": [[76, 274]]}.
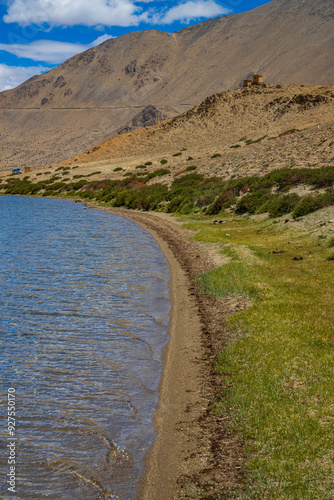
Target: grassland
{"points": [[278, 372]]}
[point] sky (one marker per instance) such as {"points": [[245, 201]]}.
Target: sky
{"points": [[37, 35]]}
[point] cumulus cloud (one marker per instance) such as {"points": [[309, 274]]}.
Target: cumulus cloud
{"points": [[191, 10], [49, 51], [109, 12], [12, 76], [73, 12]]}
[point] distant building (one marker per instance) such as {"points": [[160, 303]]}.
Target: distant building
{"points": [[257, 80], [247, 83]]}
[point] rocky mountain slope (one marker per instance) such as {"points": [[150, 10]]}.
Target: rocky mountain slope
{"points": [[100, 92], [224, 124]]}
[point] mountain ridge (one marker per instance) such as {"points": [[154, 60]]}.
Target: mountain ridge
{"points": [[106, 86]]}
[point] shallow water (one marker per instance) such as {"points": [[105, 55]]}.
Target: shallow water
{"points": [[84, 317]]}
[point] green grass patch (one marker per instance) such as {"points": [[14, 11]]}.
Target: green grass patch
{"points": [[278, 371]]}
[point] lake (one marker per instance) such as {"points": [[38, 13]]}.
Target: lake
{"points": [[85, 311]]}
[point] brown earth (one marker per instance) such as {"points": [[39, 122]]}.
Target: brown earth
{"points": [[96, 94], [292, 124]]}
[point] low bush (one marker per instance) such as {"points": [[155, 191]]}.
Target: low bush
{"points": [[310, 204], [224, 200], [157, 173], [252, 202], [280, 205]]}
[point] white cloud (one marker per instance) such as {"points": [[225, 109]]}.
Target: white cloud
{"points": [[100, 40], [73, 12], [108, 12], [191, 10], [12, 76], [49, 51]]}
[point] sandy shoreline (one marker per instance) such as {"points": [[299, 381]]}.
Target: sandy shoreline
{"points": [[180, 382], [194, 449]]}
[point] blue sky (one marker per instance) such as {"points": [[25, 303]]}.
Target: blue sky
{"points": [[37, 35]]}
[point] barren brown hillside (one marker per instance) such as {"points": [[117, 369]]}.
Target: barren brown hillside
{"points": [[225, 124], [107, 89]]}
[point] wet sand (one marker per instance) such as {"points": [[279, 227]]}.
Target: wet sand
{"points": [[194, 449]]}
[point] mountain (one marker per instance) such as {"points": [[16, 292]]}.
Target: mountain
{"points": [[106, 90]]}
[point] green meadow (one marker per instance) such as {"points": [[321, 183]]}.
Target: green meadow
{"points": [[280, 363]]}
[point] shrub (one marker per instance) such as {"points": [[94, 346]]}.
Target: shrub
{"points": [[157, 173], [140, 166], [94, 173], [206, 200], [177, 154], [250, 141], [224, 200], [216, 155], [163, 161], [148, 163], [118, 169], [175, 204], [191, 168], [281, 205], [252, 202], [48, 192], [310, 204], [76, 185]]}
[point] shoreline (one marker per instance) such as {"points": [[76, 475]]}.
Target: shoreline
{"points": [[193, 446]]}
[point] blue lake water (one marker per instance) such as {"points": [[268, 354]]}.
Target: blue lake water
{"points": [[85, 306]]}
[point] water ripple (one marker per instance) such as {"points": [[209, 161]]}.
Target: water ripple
{"points": [[85, 311]]}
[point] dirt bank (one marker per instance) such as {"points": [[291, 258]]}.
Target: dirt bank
{"points": [[196, 454]]}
